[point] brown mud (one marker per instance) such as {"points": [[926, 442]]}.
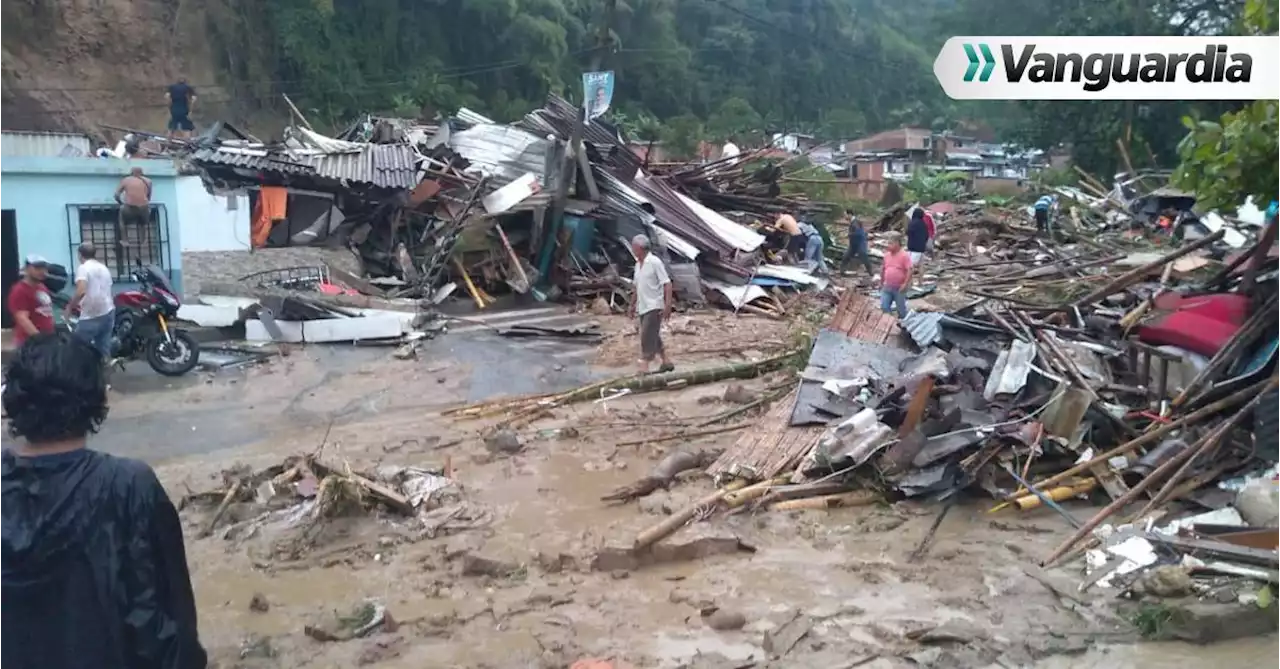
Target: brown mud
{"points": [[968, 603]]}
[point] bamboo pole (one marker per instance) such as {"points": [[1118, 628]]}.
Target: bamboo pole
{"points": [[1158, 474], [675, 521], [1134, 275], [1149, 437], [840, 499]]}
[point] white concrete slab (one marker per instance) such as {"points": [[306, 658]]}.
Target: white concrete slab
{"points": [[352, 329], [209, 317], [291, 331]]}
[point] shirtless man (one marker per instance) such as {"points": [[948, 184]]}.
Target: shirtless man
{"points": [[134, 196]]}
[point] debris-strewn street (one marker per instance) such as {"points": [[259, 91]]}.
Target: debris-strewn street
{"points": [[1031, 431], [372, 522]]}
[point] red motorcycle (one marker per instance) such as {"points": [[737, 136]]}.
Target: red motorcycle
{"points": [[142, 327]]}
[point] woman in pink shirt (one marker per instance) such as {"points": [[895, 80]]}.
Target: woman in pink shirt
{"points": [[895, 277]]}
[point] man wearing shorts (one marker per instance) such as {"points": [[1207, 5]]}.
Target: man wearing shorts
{"points": [[652, 302], [134, 196], [182, 98]]}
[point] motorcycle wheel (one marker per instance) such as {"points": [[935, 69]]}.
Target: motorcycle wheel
{"points": [[176, 358]]}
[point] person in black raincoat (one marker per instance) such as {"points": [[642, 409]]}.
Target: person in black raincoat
{"points": [[94, 568]]}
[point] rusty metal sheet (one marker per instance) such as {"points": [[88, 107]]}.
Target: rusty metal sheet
{"points": [[859, 316]]}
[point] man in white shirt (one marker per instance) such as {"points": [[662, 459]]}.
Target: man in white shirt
{"points": [[730, 150], [652, 302], [93, 299]]}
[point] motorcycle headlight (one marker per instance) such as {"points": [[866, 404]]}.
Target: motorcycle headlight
{"points": [[170, 300]]}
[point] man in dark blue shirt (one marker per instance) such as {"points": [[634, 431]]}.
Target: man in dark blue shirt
{"points": [[857, 250], [182, 98]]}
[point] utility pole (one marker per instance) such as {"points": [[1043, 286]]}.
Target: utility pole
{"points": [[569, 172], [575, 156]]}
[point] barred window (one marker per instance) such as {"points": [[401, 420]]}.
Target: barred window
{"points": [[121, 244]]}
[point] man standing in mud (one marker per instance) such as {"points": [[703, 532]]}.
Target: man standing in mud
{"points": [[95, 571], [652, 300]]}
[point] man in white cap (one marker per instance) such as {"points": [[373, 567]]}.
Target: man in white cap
{"points": [[30, 302], [652, 301]]}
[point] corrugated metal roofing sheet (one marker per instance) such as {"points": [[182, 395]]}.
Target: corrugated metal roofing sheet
{"points": [[383, 165], [503, 153], [924, 327], [44, 144]]}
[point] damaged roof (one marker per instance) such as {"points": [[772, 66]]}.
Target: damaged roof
{"points": [[381, 165], [502, 153]]}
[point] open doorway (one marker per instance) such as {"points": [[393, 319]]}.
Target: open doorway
{"points": [[9, 263]]}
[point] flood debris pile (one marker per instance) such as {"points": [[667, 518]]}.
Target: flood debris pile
{"points": [[1143, 387], [468, 210], [304, 503]]}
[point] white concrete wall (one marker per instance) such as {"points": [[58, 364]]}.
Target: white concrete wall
{"points": [[208, 222]]}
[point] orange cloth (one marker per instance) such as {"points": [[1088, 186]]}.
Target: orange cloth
{"points": [[272, 206]]}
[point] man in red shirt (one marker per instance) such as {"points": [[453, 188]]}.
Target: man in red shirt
{"points": [[895, 277], [30, 302]]}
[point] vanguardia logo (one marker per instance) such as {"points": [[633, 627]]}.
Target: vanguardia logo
{"points": [[988, 62], [1099, 67], [1098, 70]]}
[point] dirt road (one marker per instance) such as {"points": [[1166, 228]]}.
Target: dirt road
{"points": [[846, 571]]}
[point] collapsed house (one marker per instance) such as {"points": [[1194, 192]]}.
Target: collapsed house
{"points": [[470, 209]]}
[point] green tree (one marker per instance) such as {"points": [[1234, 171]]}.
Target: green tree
{"points": [[681, 136], [735, 118], [1235, 157], [842, 124]]}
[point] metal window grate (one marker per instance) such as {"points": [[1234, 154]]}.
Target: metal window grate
{"points": [[121, 246]]}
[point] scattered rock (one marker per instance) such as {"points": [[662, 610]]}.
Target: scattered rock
{"points": [[1208, 622], [406, 352], [555, 563], [476, 565], [503, 441], [708, 399], [738, 394], [1259, 503], [259, 603], [619, 574], [723, 620], [1165, 581]]}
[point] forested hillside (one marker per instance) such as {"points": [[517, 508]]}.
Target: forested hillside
{"points": [[687, 69]]}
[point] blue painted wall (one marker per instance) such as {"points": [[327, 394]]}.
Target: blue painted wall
{"points": [[39, 189]]}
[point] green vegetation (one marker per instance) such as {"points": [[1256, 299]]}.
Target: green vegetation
{"points": [[1153, 620], [706, 70], [1226, 160], [927, 188]]}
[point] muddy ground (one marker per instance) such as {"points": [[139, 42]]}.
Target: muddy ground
{"points": [[846, 569]]}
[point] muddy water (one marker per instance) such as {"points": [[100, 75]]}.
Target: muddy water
{"points": [[847, 568]]}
